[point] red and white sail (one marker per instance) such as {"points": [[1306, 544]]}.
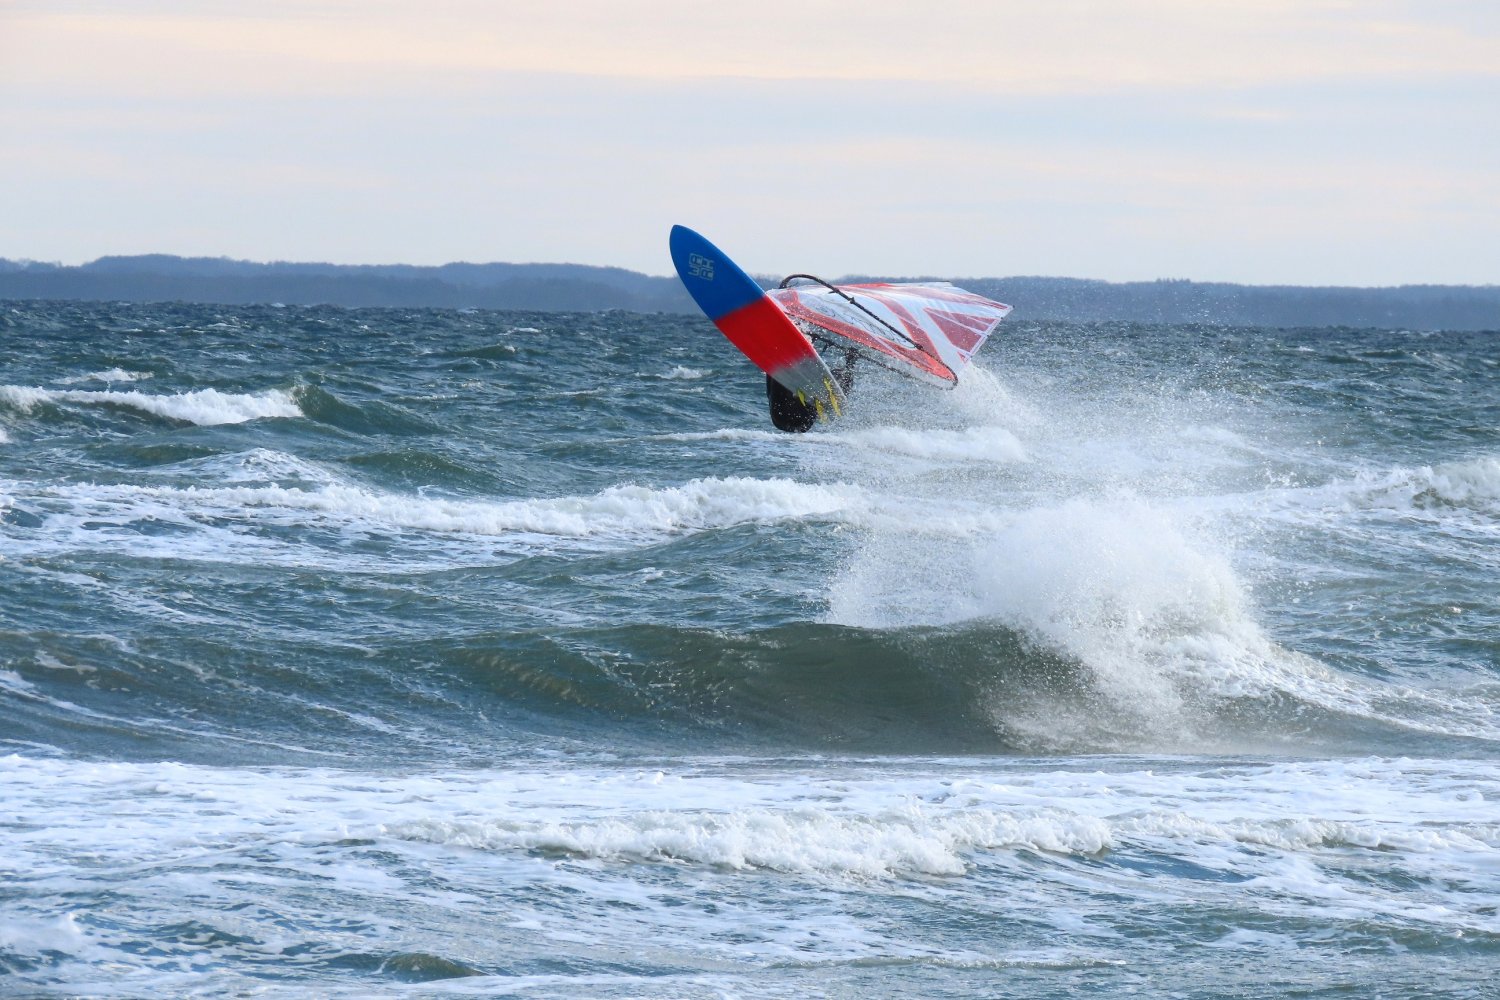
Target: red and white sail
{"points": [[927, 330]]}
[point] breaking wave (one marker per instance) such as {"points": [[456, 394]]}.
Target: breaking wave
{"points": [[106, 375], [205, 407], [94, 516], [1474, 483]]}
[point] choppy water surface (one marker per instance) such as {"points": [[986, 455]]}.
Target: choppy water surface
{"points": [[376, 652]]}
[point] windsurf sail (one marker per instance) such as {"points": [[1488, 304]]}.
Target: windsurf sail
{"points": [[924, 330], [927, 331]]}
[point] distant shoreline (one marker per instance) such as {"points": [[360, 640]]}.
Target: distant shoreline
{"points": [[583, 288]]}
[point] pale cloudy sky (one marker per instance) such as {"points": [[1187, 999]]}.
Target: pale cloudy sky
{"points": [[1265, 141]]}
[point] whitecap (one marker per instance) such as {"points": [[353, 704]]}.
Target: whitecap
{"points": [[107, 375], [1473, 483], [212, 519], [205, 407], [891, 842], [683, 373]]}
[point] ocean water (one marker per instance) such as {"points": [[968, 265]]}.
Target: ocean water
{"points": [[412, 653]]}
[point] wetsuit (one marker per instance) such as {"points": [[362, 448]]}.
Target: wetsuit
{"points": [[788, 413]]}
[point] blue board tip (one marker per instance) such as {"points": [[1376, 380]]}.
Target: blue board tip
{"points": [[715, 282]]}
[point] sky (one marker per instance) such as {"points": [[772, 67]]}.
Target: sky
{"points": [[1307, 142]]}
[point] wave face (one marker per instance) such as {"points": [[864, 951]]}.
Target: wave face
{"points": [[343, 650]]}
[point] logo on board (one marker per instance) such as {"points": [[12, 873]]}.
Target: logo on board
{"points": [[700, 266]]}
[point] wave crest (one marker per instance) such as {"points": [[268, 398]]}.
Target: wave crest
{"points": [[806, 840], [204, 407]]}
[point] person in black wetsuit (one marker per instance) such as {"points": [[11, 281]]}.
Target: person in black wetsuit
{"points": [[788, 413]]}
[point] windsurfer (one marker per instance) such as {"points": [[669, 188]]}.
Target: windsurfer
{"points": [[844, 373], [788, 413]]}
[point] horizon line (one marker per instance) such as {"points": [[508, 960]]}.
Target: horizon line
{"points": [[28, 262]]}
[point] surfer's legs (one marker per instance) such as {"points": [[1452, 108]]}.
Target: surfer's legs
{"points": [[845, 372], [788, 413]]}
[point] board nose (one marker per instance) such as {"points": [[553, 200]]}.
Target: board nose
{"points": [[714, 281]]}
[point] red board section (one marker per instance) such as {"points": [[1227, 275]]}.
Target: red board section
{"points": [[766, 336]]}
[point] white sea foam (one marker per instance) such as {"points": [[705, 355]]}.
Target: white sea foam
{"points": [[794, 840], [259, 465], [205, 407], [15, 684], [266, 466], [985, 398], [1114, 582], [581, 859], [1116, 542], [107, 375], [40, 935], [1221, 436], [1472, 483], [1134, 592], [737, 434], [992, 444], [215, 520], [901, 822], [971, 444], [618, 511], [1427, 489], [682, 373]]}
